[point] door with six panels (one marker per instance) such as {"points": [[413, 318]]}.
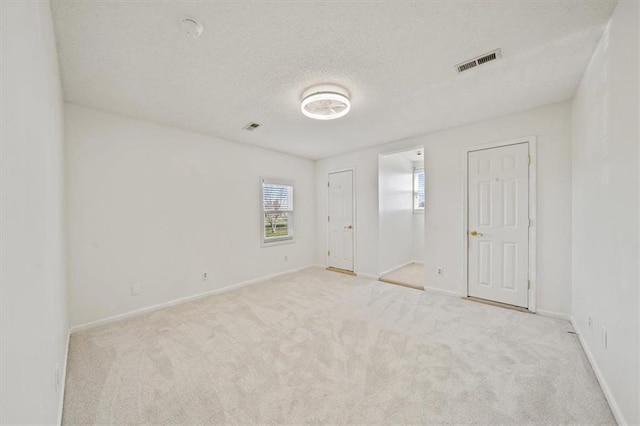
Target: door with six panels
{"points": [[498, 224], [341, 220]]}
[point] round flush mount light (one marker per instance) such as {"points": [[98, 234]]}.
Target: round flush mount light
{"points": [[326, 102], [191, 27]]}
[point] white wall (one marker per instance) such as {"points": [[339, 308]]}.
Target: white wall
{"points": [[366, 190], [605, 210], [395, 186], [443, 213], [417, 251], [156, 206], [33, 313]]}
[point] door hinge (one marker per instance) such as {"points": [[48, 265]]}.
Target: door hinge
{"points": [[528, 159], [528, 285], [328, 252], [328, 184], [328, 218]]}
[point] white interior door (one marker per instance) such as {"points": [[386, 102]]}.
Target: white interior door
{"points": [[341, 220], [498, 224]]}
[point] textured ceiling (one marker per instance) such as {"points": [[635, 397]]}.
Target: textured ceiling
{"points": [[254, 60], [412, 155]]}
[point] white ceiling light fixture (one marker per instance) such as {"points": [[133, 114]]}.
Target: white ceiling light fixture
{"points": [[326, 102]]}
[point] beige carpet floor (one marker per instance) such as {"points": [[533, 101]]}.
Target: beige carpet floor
{"points": [[410, 275], [318, 347]]}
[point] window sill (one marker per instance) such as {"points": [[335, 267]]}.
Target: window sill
{"points": [[277, 242]]}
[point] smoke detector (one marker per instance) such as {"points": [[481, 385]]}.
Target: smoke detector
{"points": [[325, 102], [191, 27]]}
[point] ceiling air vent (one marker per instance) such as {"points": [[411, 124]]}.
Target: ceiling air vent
{"points": [[251, 126], [480, 60], [467, 66]]}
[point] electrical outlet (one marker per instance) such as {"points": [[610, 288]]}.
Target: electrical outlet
{"points": [[440, 271], [604, 338], [205, 276], [590, 322], [136, 289]]}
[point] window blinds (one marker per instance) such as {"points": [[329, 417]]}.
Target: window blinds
{"points": [[418, 189], [277, 197]]}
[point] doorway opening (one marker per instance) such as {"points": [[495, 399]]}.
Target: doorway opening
{"points": [[401, 204]]}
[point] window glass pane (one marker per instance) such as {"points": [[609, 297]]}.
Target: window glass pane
{"points": [[421, 200], [418, 189], [421, 181], [276, 225], [277, 197]]}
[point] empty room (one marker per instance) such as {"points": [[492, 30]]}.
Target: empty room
{"points": [[320, 212]]}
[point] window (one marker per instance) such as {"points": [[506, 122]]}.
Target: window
{"points": [[277, 211], [418, 190]]}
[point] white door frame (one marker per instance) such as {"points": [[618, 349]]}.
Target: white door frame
{"points": [[353, 212], [531, 140]]}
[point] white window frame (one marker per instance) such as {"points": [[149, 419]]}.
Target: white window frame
{"points": [[290, 238], [417, 209]]}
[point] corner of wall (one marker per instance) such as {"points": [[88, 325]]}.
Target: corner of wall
{"points": [[615, 409]]}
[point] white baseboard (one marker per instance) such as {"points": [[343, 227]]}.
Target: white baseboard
{"points": [[395, 268], [63, 382], [442, 291], [615, 409], [551, 314], [136, 312]]}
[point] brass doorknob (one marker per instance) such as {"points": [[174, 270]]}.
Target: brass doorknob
{"points": [[476, 234]]}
